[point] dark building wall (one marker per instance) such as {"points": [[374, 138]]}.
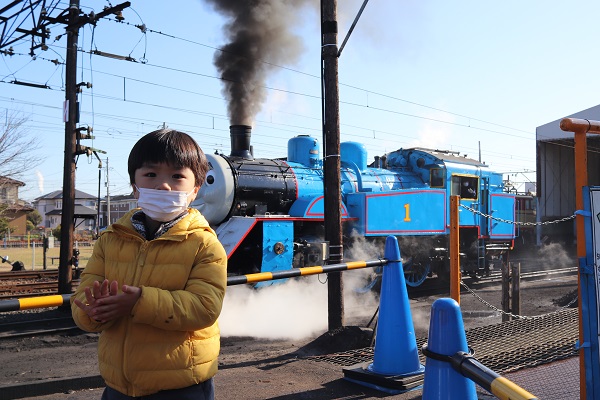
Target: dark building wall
{"points": [[556, 183]]}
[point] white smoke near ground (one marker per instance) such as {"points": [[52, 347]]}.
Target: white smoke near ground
{"points": [[361, 290], [292, 310], [554, 255], [298, 308], [364, 249]]}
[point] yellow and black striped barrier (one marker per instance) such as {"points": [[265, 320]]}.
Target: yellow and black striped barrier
{"points": [[500, 387], [35, 302], [290, 273], [63, 300]]}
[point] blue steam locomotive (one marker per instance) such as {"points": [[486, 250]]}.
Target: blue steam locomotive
{"points": [[269, 213]]}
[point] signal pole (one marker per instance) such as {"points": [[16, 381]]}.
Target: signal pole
{"points": [[332, 164]]}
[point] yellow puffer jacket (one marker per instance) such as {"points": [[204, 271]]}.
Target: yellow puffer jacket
{"points": [[171, 340]]}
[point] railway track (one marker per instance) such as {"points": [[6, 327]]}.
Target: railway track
{"points": [[36, 327], [20, 284], [44, 273], [29, 323], [435, 286]]}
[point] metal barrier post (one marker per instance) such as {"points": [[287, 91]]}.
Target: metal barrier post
{"points": [[454, 249], [515, 304], [580, 129], [505, 292]]}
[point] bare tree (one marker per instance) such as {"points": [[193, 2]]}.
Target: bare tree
{"points": [[18, 150]]}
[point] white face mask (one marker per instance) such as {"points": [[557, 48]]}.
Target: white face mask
{"points": [[162, 205]]}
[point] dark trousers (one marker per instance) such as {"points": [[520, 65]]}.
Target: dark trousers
{"points": [[202, 391]]}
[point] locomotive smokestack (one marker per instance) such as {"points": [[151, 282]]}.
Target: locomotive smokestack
{"points": [[240, 141]]}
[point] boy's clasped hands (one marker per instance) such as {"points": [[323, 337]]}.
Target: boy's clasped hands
{"points": [[104, 303]]}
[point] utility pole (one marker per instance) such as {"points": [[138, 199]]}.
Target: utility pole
{"points": [[107, 195], [74, 21], [99, 203], [70, 119], [332, 164]]}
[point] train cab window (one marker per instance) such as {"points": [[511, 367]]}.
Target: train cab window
{"points": [[437, 177], [465, 187]]}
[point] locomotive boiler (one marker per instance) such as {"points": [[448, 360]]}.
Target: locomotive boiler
{"points": [[269, 213]]}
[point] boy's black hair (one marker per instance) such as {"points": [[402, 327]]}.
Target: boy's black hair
{"points": [[175, 148]]}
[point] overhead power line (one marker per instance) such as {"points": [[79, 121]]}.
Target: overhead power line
{"points": [[145, 29]]}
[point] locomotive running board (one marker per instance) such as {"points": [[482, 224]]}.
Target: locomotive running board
{"points": [[233, 232]]}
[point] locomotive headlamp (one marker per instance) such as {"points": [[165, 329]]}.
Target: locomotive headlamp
{"points": [[278, 248]]}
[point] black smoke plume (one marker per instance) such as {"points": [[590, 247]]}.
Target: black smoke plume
{"points": [[260, 39]]}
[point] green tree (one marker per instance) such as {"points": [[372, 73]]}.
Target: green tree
{"points": [[5, 228], [34, 219], [56, 232]]}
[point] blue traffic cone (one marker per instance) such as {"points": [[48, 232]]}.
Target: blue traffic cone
{"points": [[396, 367], [446, 338], [396, 351]]}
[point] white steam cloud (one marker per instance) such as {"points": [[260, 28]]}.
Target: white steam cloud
{"points": [[40, 181], [293, 310]]}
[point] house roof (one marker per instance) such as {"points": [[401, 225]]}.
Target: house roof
{"points": [[551, 130], [121, 197], [57, 194], [19, 207], [80, 212], [5, 180]]}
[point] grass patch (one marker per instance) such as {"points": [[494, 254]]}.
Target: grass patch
{"points": [[29, 255]]}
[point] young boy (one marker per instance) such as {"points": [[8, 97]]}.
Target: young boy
{"points": [[155, 283]]}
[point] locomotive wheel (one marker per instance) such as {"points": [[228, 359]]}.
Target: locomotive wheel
{"points": [[415, 273], [372, 283]]}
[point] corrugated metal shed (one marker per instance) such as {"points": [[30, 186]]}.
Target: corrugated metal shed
{"points": [[556, 173]]}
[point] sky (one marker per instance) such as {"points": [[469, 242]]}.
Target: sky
{"points": [[467, 76]]}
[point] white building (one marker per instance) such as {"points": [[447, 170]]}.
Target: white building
{"points": [[50, 208]]}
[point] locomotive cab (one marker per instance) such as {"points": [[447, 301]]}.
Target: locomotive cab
{"points": [[467, 187]]}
